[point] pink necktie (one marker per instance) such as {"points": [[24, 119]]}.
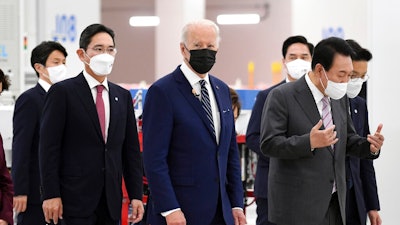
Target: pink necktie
{"points": [[326, 113], [101, 112]]}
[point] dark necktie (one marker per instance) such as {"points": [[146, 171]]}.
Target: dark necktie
{"points": [[101, 112], [205, 102]]}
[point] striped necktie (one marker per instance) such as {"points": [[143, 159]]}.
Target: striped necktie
{"points": [[205, 102]]}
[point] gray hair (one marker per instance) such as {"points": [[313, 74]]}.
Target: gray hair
{"points": [[201, 22]]}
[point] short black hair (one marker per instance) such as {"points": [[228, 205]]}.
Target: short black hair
{"points": [[361, 54], [41, 53], [326, 49], [92, 30], [4, 79], [296, 39]]}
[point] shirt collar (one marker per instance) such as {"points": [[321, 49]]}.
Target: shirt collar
{"points": [[191, 76], [93, 82], [314, 90], [46, 86]]}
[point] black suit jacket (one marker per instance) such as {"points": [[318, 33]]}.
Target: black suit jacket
{"points": [[300, 181], [361, 172], [25, 146], [76, 163]]}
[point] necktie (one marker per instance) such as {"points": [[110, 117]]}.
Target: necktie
{"points": [[205, 102], [326, 113], [101, 112]]}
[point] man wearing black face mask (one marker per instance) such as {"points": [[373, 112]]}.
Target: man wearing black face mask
{"points": [[189, 150]]}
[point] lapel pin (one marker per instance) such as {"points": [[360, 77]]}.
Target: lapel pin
{"points": [[116, 99], [195, 93]]}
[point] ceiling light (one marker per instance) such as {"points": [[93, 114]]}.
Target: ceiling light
{"points": [[226, 19], [144, 21]]}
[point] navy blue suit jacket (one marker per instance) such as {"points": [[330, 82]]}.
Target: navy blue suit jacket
{"points": [[76, 163], [184, 165], [253, 143], [361, 172], [25, 146]]}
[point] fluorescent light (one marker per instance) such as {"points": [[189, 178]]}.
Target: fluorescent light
{"points": [[144, 21], [238, 19]]}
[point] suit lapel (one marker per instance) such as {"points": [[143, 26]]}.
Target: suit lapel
{"points": [[306, 101], [186, 90], [115, 109], [85, 95]]}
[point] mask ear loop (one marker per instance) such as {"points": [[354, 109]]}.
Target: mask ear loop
{"points": [[326, 80]]}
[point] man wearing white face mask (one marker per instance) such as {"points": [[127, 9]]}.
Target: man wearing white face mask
{"points": [[306, 130], [89, 141], [48, 60], [297, 53], [362, 194]]}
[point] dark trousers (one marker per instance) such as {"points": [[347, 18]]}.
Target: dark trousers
{"points": [[219, 215], [262, 212], [352, 217], [100, 217], [333, 216], [32, 216]]}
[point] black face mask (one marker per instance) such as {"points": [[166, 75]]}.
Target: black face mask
{"points": [[202, 60]]}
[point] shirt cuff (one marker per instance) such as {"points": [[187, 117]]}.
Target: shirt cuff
{"points": [[164, 214]]}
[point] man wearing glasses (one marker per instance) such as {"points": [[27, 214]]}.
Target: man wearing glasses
{"points": [[89, 141]]}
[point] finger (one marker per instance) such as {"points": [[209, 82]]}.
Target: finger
{"points": [[318, 125], [378, 130]]}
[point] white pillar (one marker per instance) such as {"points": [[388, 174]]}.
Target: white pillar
{"points": [[174, 14]]}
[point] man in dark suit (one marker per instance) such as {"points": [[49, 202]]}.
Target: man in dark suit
{"points": [[362, 192], [306, 131], [297, 53], [88, 141], [190, 152], [48, 60]]}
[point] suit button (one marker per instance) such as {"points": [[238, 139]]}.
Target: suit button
{"points": [[105, 149]]}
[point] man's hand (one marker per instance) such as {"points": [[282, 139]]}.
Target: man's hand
{"points": [[239, 217], [374, 217], [176, 218], [322, 138], [376, 139], [19, 203], [137, 211], [52, 209]]}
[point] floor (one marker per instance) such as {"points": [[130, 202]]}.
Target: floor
{"points": [[251, 212]]}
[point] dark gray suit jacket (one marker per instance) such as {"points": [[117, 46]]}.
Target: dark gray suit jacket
{"points": [[301, 181]]}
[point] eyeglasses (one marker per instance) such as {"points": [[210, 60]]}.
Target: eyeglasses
{"points": [[355, 78], [101, 50]]}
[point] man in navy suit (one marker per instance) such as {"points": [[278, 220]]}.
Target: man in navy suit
{"points": [[297, 53], [88, 141], [191, 158], [362, 194], [48, 60]]}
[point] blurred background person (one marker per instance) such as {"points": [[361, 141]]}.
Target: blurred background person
{"points": [[297, 54], [362, 192], [236, 105], [6, 185], [48, 60]]}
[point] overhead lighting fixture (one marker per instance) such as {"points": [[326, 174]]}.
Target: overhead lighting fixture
{"points": [[144, 21], [229, 19]]}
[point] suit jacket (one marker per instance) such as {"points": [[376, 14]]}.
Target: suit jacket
{"points": [[25, 146], [253, 143], [6, 188], [301, 180], [361, 172], [76, 163], [184, 165]]}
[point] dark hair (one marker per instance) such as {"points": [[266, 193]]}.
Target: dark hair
{"points": [[4, 79], [326, 50], [362, 54], [235, 100], [92, 30], [296, 39], [41, 53]]}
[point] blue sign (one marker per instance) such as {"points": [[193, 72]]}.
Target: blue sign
{"points": [[3, 52], [65, 28], [333, 32]]}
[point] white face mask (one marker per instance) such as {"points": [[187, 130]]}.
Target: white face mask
{"points": [[333, 89], [353, 88], [57, 73], [101, 64], [298, 68]]}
